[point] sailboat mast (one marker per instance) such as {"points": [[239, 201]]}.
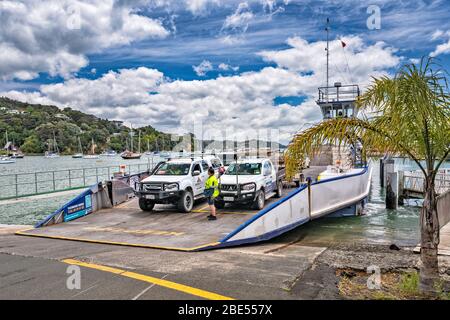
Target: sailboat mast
{"points": [[131, 138], [80, 149], [55, 145], [139, 143]]}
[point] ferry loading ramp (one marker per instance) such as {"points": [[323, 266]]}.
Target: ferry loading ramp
{"points": [[108, 213]]}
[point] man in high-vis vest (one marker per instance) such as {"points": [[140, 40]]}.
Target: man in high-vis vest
{"points": [[211, 192]]}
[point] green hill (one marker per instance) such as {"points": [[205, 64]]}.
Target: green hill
{"points": [[31, 127]]}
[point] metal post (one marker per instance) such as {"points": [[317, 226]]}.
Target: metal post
{"points": [[84, 177], [17, 186], [388, 168], [96, 174], [392, 190], [381, 172], [308, 181], [70, 179], [401, 183], [54, 185], [36, 182]]}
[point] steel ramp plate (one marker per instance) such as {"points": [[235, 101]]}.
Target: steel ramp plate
{"points": [[163, 228]]}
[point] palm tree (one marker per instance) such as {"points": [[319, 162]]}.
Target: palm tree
{"points": [[408, 114]]}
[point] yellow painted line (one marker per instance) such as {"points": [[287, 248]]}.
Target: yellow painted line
{"points": [[128, 244], [135, 231], [160, 282]]}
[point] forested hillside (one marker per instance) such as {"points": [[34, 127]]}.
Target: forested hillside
{"points": [[31, 128]]}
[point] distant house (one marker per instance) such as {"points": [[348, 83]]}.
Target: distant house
{"points": [[13, 111], [62, 116], [117, 123]]}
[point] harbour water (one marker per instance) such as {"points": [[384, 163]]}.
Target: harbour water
{"points": [[377, 225]]}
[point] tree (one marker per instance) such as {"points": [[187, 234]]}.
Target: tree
{"points": [[408, 114]]}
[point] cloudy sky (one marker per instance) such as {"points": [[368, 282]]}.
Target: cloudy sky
{"points": [[241, 65]]}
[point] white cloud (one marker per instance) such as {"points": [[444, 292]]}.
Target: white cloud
{"points": [[227, 67], [55, 36], [240, 19], [144, 96], [203, 68], [442, 48], [199, 7], [362, 60]]}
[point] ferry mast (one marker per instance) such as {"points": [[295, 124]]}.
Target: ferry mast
{"points": [[337, 100]]}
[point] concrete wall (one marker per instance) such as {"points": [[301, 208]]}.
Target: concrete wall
{"points": [[443, 208]]}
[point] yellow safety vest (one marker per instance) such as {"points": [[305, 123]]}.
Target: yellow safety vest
{"points": [[212, 182]]}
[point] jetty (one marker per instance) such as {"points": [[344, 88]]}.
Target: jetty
{"points": [[108, 213]]}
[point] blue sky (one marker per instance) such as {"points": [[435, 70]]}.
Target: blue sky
{"points": [[201, 46]]}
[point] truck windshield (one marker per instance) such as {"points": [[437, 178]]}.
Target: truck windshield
{"points": [[244, 169], [173, 169]]}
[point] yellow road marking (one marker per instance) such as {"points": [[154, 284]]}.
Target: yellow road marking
{"points": [[136, 231], [128, 244], [160, 282]]}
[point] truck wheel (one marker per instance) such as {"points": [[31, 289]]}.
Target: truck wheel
{"points": [[219, 204], [146, 205], [260, 200], [279, 191], [186, 201]]}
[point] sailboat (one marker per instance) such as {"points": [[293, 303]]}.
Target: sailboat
{"points": [[92, 155], [148, 152], [4, 159], [7, 160], [163, 154], [55, 152], [108, 153], [128, 155], [13, 151], [80, 151]]}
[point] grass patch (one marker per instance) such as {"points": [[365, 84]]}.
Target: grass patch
{"points": [[409, 283], [395, 285]]}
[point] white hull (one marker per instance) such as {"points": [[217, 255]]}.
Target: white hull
{"points": [[327, 196]]}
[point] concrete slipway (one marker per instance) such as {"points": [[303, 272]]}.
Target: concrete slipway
{"points": [[107, 214]]}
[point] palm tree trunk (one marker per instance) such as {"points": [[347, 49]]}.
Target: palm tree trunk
{"points": [[429, 227]]}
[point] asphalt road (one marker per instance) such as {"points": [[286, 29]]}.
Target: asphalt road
{"points": [[34, 268]]}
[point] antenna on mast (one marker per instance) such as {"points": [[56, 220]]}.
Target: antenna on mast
{"points": [[327, 29]]}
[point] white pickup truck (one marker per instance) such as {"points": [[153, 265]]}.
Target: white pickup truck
{"points": [[177, 181], [250, 181]]}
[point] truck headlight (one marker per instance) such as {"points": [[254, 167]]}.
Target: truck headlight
{"points": [[171, 186], [248, 187]]}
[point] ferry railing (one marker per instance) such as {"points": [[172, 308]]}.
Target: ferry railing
{"points": [[21, 185]]}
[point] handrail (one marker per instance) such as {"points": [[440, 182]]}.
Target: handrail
{"points": [[45, 182]]}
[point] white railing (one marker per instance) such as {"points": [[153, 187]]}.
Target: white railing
{"points": [[414, 181]]}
